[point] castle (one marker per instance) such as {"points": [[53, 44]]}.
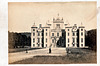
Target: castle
{"points": [[57, 34]]}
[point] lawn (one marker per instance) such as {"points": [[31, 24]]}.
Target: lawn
{"points": [[77, 56]]}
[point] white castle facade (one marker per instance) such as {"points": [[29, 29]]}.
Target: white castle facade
{"points": [[57, 34]]}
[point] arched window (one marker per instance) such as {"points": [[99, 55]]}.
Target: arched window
{"points": [[46, 34], [57, 34], [73, 39], [38, 34], [33, 34], [73, 34], [68, 34], [46, 29], [33, 29], [68, 40], [38, 40], [46, 40], [81, 39], [68, 29], [81, 33], [81, 29], [33, 45], [52, 34], [33, 40]]}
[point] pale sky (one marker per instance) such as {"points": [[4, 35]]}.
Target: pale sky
{"points": [[21, 16]]}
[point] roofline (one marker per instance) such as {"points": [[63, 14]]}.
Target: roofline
{"points": [[33, 27], [81, 27], [68, 27], [58, 22], [45, 27]]}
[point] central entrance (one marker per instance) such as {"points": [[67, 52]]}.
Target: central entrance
{"points": [[61, 42]]}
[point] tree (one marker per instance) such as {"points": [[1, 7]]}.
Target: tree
{"points": [[91, 39], [29, 41]]}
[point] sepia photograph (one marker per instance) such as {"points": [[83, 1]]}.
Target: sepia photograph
{"points": [[52, 32]]}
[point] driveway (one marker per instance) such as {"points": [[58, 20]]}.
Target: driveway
{"points": [[13, 57]]}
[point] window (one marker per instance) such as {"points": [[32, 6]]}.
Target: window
{"points": [[73, 39], [68, 40], [38, 34], [81, 39], [33, 34], [46, 40], [38, 40], [46, 29], [58, 25], [81, 44], [33, 40], [68, 45], [81, 29], [73, 44], [38, 45], [33, 29], [81, 33], [33, 45], [52, 34], [73, 34], [57, 34], [52, 40], [46, 45], [68, 34], [68, 29], [46, 34]]}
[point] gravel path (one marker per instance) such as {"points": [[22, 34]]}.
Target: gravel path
{"points": [[13, 57]]}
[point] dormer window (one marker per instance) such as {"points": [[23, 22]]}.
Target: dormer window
{"points": [[68, 29], [46, 29], [81, 29], [73, 34], [33, 29]]}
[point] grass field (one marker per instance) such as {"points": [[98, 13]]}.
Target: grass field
{"points": [[77, 56]]}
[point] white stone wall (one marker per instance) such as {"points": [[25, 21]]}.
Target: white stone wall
{"points": [[40, 37], [35, 37], [47, 44], [52, 39], [74, 36], [80, 37], [75, 39], [68, 37]]}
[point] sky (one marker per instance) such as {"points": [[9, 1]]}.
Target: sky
{"points": [[22, 15]]}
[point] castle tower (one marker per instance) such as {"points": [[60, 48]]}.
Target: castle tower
{"points": [[46, 35], [68, 30], [81, 36], [74, 35], [33, 36], [39, 36]]}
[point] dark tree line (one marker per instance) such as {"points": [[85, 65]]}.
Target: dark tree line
{"points": [[16, 40], [91, 39]]}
